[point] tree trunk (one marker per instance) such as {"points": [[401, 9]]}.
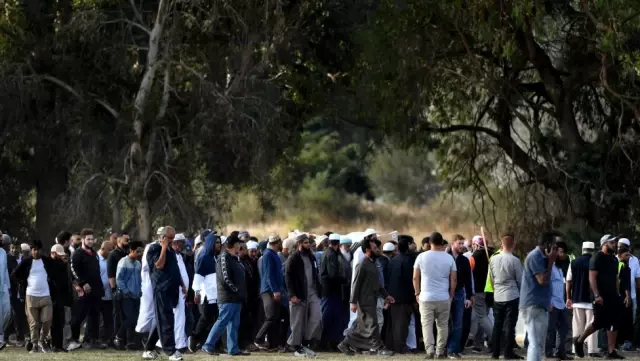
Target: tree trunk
{"points": [[144, 220], [51, 183]]}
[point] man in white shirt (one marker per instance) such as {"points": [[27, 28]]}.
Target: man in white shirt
{"points": [[634, 266], [32, 275], [434, 279]]}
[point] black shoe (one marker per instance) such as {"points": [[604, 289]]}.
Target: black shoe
{"points": [[454, 356], [430, 356], [579, 347], [595, 355], [563, 357], [242, 353], [210, 352], [58, 350], [345, 349], [193, 345], [477, 350], [441, 357], [513, 356], [29, 346], [614, 356]]}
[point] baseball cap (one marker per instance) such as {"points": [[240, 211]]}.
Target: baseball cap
{"points": [[25, 247], [180, 237], [388, 247], [58, 249], [607, 238], [624, 241]]}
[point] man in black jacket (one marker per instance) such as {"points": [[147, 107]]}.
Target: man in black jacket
{"points": [[118, 253], [303, 284], [85, 268], [333, 278], [401, 288], [232, 292], [39, 291], [64, 295], [480, 268]]}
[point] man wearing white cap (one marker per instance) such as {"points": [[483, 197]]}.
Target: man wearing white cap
{"points": [[358, 256], [579, 297], [634, 267], [603, 271]]}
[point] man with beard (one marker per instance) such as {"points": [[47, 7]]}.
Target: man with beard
{"points": [[463, 297], [106, 306], [274, 299], [121, 251], [634, 275], [64, 295], [332, 276], [250, 308], [579, 297], [85, 268], [604, 282], [365, 333], [76, 243], [166, 282], [401, 289], [303, 284], [205, 288]]}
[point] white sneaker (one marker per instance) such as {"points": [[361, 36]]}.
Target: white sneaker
{"points": [[177, 356], [309, 351], [73, 345], [149, 355]]}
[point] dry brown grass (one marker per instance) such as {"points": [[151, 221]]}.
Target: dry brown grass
{"points": [[417, 222]]}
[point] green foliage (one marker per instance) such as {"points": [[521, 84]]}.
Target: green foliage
{"points": [[404, 175]]}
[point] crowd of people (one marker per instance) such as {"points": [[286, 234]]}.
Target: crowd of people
{"points": [[350, 293]]}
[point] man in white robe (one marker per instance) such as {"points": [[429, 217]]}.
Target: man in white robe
{"points": [[146, 317]]}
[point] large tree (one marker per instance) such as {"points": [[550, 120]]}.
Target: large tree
{"points": [[542, 92]]}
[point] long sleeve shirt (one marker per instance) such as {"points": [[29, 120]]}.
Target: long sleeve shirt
{"points": [[128, 278], [464, 276], [4, 272], [366, 287], [505, 271], [272, 278]]}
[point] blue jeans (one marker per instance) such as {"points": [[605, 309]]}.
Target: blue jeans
{"points": [[536, 320], [229, 318], [455, 321]]}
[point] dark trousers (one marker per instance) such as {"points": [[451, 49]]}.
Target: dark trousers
{"points": [[208, 316], [19, 318], [273, 327], [636, 324], [57, 326], [332, 320], [248, 318], [86, 306], [164, 324], [505, 315], [625, 333], [466, 326], [557, 323], [396, 337], [117, 315], [127, 330], [106, 311]]}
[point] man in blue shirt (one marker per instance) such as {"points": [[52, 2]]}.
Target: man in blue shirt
{"points": [[274, 298], [166, 281], [557, 315], [535, 293]]}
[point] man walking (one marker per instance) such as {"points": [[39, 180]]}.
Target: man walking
{"points": [[303, 284], [333, 277], [121, 251], [401, 289], [535, 294], [365, 332], [274, 298], [85, 268], [232, 292], [603, 279], [480, 267], [206, 290], [557, 315], [129, 283], [579, 297], [434, 281], [463, 297], [505, 271], [33, 274], [166, 281], [64, 295]]}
